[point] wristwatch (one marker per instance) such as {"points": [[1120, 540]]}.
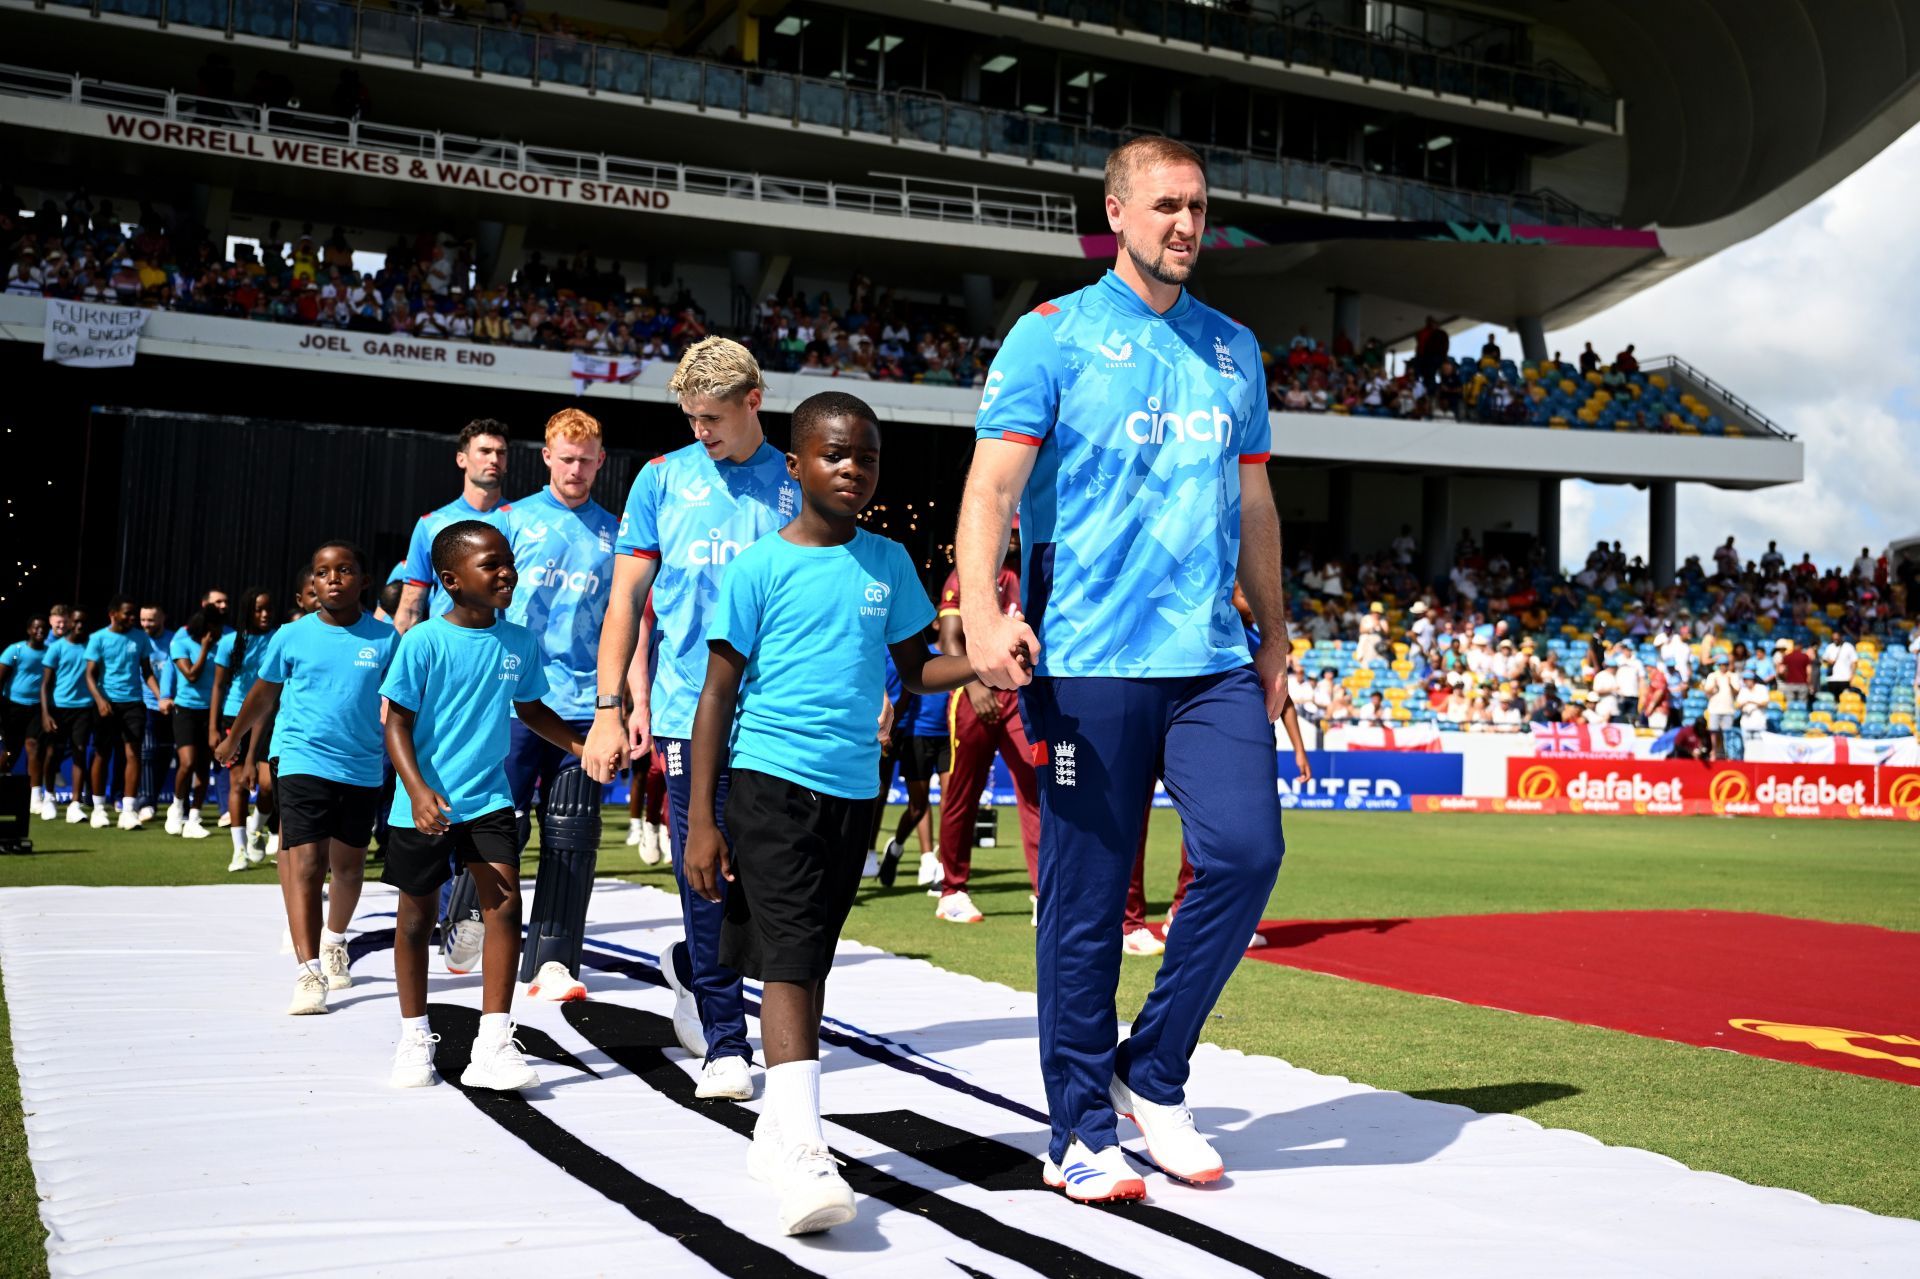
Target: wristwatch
{"points": [[609, 702]]}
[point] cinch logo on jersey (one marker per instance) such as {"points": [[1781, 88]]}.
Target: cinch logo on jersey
{"points": [[1211, 425], [715, 550], [578, 582], [876, 596]]}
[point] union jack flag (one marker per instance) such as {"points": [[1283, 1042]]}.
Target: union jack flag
{"points": [[1559, 739]]}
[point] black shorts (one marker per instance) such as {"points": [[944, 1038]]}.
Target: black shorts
{"points": [[315, 808], [72, 730], [256, 746], [160, 729], [19, 725], [418, 864], [125, 722], [797, 858], [921, 758], [189, 726]]}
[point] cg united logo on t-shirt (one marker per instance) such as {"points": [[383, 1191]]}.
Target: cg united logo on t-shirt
{"points": [[510, 668], [367, 657], [876, 596]]}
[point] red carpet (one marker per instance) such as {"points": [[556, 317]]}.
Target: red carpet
{"points": [[1841, 996]]}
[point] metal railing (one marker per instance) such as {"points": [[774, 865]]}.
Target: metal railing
{"points": [[925, 199], [1545, 88], [875, 115], [1711, 390]]}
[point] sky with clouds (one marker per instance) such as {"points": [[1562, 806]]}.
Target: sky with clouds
{"points": [[1816, 323]]}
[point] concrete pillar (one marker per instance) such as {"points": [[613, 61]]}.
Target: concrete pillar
{"points": [[500, 247], [213, 209], [1436, 526], [744, 266], [1550, 523], [977, 290], [1661, 539], [1533, 337], [773, 273], [1346, 315], [1018, 301]]}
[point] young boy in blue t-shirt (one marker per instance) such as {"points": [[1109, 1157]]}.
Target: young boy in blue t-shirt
{"points": [[454, 680], [807, 616]]}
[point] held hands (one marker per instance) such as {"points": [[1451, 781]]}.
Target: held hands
{"points": [[429, 811], [606, 752], [706, 861], [101, 705], [1003, 650], [225, 749], [986, 707]]}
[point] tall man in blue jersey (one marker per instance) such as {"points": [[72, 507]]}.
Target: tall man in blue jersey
{"points": [[563, 547], [688, 515], [1128, 424], [482, 458]]}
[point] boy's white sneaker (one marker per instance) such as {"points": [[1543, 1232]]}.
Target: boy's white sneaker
{"points": [[413, 1061], [76, 813], [335, 963], [176, 818], [238, 860], [499, 1064], [958, 908], [464, 948], [226, 819], [686, 1010], [1094, 1178], [129, 820], [726, 1079], [633, 834], [273, 845], [194, 829], [256, 847], [653, 843], [555, 984], [1175, 1144], [49, 809], [146, 813], [100, 819], [309, 994], [813, 1194], [929, 872], [1142, 942]]}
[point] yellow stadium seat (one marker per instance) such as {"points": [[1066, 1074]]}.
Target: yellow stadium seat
{"points": [[1846, 728], [1658, 380], [1566, 386], [1594, 378], [1395, 694], [1765, 625], [1400, 713], [1820, 717], [1530, 373], [1836, 611], [1558, 423]]}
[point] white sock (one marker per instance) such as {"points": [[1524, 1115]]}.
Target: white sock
{"points": [[793, 1099], [633, 824], [410, 1024], [193, 817], [312, 966], [330, 938], [176, 807], [39, 796], [99, 805], [239, 839], [494, 1026], [253, 823]]}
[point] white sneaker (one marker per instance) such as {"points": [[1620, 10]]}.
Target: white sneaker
{"points": [[633, 834], [1175, 1144], [146, 813], [335, 964], [226, 819], [49, 809], [1141, 941], [309, 994], [1093, 1178], [238, 861], [100, 820], [413, 1061], [726, 1078], [76, 813], [653, 843], [194, 829], [554, 983], [871, 866], [957, 908], [929, 869], [813, 1194], [1034, 898], [176, 818], [686, 1010], [256, 847], [129, 820], [498, 1064], [463, 952], [273, 846]]}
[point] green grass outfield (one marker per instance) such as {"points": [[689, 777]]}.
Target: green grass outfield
{"points": [[1839, 1137]]}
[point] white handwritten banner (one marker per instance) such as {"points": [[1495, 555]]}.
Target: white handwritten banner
{"points": [[89, 336]]}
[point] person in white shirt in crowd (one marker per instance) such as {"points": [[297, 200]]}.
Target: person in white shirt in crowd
{"points": [[1373, 712], [1627, 674], [1420, 633], [1331, 584], [1480, 658], [1508, 712], [1773, 561], [1752, 703], [1723, 692], [1606, 697], [1726, 559], [1863, 567], [460, 324], [1677, 655], [1839, 657], [1372, 648]]}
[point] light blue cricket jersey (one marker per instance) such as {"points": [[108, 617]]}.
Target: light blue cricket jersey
{"points": [[418, 568], [695, 515], [565, 559], [814, 623], [1131, 518]]}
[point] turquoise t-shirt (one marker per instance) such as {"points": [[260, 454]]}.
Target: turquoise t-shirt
{"points": [[195, 695], [241, 681], [25, 661], [461, 683], [328, 725], [68, 662], [814, 623], [119, 655]]}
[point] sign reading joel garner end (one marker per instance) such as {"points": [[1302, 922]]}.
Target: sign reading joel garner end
{"points": [[85, 335]]}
